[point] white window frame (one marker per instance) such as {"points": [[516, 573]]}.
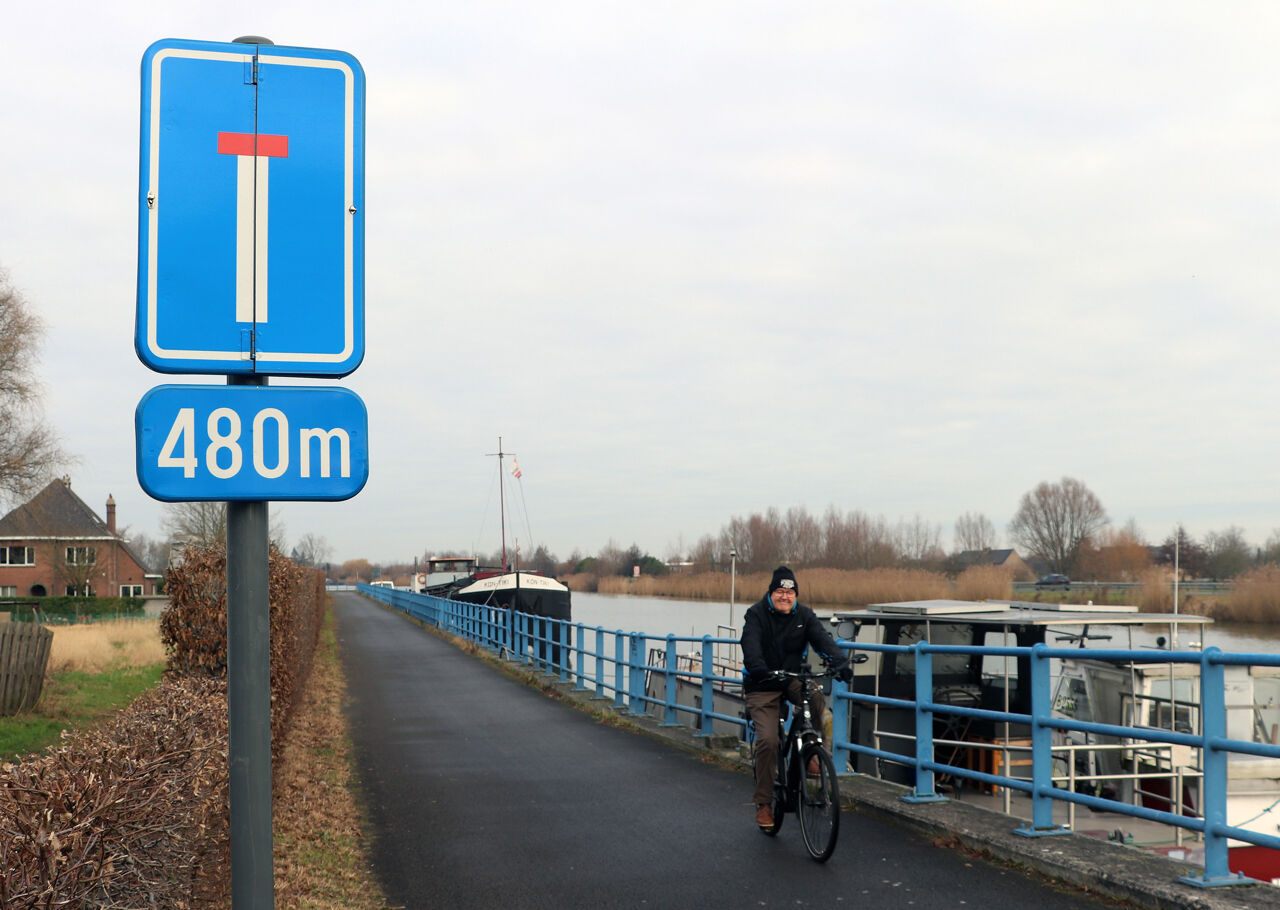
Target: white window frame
{"points": [[26, 556], [90, 556], [131, 590]]}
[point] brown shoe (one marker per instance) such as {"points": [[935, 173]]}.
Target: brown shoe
{"points": [[764, 816], [814, 770]]}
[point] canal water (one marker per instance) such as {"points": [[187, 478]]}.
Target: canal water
{"points": [[662, 616]]}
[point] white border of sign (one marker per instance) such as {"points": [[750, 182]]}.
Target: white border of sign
{"points": [[153, 213]]}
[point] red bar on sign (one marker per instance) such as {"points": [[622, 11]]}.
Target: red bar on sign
{"points": [[243, 144]]}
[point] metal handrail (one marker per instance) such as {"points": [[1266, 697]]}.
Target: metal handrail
{"points": [[581, 655]]}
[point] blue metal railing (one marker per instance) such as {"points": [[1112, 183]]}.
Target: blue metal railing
{"points": [[581, 655], [612, 664]]}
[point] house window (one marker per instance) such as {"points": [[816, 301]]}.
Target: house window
{"points": [[8, 590], [81, 556], [17, 556], [79, 591], [131, 590]]}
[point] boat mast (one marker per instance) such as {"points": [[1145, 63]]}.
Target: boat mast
{"points": [[502, 504]]}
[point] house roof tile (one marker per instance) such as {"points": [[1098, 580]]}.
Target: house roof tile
{"points": [[54, 512]]}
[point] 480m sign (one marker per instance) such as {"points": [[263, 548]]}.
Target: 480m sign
{"points": [[252, 443]]}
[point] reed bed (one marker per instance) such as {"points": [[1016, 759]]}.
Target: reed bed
{"points": [[1156, 593], [1255, 597], [840, 587], [96, 647]]}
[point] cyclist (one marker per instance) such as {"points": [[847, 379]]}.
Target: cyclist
{"points": [[776, 634]]}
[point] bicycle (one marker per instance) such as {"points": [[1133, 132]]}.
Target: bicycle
{"points": [[814, 798]]}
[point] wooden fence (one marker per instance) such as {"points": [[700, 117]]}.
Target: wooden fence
{"points": [[24, 656]]}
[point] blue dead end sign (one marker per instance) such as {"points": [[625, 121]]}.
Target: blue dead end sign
{"points": [[242, 442], [251, 210]]}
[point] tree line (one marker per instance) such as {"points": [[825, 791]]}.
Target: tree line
{"points": [[1058, 527]]}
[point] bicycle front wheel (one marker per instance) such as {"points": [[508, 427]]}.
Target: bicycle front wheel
{"points": [[819, 809]]}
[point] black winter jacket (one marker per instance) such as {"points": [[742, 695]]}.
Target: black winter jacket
{"points": [[778, 641]]}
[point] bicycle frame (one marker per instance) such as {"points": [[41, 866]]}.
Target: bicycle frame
{"points": [[793, 737]]}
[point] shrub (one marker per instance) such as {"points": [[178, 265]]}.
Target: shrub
{"points": [[80, 606], [134, 813], [194, 627], [128, 814]]}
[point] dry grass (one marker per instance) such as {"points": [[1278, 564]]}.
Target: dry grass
{"points": [[1156, 594], [321, 852], [817, 586], [1255, 597], [97, 647]]}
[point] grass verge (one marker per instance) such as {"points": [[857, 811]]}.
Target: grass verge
{"points": [[321, 854], [73, 699]]}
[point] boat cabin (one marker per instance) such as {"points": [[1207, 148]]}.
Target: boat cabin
{"points": [[990, 682]]}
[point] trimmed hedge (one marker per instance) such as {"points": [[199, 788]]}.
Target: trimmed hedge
{"points": [[77, 606], [135, 813]]}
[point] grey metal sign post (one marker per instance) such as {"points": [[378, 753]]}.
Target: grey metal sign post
{"points": [[229, 132]]}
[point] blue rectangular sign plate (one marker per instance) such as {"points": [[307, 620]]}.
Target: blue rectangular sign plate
{"points": [[250, 210], [225, 442]]}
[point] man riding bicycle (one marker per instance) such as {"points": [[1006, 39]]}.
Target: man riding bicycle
{"points": [[776, 634]]}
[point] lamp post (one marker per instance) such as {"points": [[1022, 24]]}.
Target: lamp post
{"points": [[733, 576]]}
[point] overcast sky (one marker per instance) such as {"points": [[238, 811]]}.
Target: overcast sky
{"points": [[692, 260]]}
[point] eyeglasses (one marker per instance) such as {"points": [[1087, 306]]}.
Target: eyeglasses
{"points": [[784, 592]]}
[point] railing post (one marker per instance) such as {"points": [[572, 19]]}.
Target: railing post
{"points": [[565, 646], [708, 691], [923, 792], [840, 754], [599, 662], [669, 716], [1041, 750], [581, 650], [1213, 728], [619, 670], [636, 667]]}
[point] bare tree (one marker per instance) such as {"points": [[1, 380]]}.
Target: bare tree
{"points": [[919, 542], [29, 450], [311, 550], [801, 538], [974, 531], [205, 524], [1054, 520], [154, 554]]}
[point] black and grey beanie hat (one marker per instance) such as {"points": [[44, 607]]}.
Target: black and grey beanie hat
{"points": [[783, 578]]}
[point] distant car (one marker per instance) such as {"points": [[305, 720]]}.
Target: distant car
{"points": [[1052, 581]]}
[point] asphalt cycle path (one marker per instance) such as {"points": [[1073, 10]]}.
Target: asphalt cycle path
{"points": [[485, 793]]}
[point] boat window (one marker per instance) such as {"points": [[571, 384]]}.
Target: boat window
{"points": [[1183, 690], [955, 666], [996, 666], [1162, 711]]}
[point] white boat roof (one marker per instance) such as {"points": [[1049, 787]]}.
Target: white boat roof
{"points": [[1014, 612], [508, 582]]}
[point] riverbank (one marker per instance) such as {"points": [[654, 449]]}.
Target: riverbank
{"points": [[1253, 598]]}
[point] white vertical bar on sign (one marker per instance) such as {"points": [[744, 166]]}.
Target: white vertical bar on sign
{"points": [[244, 237], [262, 164]]}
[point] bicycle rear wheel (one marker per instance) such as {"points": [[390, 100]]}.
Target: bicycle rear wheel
{"points": [[819, 808]]}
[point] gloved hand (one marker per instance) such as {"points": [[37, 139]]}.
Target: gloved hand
{"points": [[845, 674], [777, 676]]}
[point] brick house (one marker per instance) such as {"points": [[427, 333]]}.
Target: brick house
{"points": [[56, 545], [1005, 559]]}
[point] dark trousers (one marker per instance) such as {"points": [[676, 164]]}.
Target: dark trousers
{"points": [[765, 707]]}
